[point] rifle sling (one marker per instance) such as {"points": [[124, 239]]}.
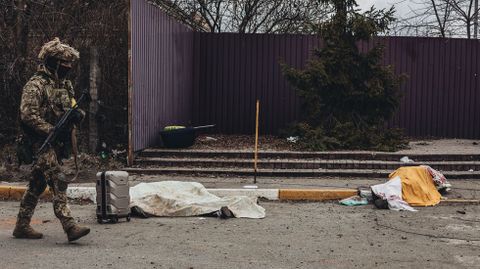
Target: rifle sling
{"points": [[75, 152]]}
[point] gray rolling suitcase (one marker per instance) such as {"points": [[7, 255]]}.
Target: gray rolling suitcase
{"points": [[113, 196]]}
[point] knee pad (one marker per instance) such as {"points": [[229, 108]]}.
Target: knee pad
{"points": [[62, 182], [37, 184], [58, 183]]}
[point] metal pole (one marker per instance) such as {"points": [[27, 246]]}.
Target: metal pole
{"points": [[256, 144]]}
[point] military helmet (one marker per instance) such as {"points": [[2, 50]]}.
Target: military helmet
{"points": [[57, 49]]}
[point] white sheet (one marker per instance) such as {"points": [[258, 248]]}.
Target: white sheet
{"points": [[175, 198], [392, 192]]}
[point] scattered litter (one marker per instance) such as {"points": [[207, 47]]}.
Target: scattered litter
{"points": [[104, 152], [475, 143], [209, 138], [461, 212], [471, 170], [405, 159], [354, 200], [250, 187], [116, 153], [293, 139], [46, 221], [202, 218], [366, 193]]}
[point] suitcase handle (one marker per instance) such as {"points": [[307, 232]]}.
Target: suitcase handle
{"points": [[103, 187]]}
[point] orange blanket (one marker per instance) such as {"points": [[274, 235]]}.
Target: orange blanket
{"points": [[418, 188]]}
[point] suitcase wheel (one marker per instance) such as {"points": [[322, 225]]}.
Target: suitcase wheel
{"points": [[114, 219], [128, 217]]}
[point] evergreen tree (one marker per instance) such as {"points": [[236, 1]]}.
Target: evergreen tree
{"points": [[348, 95]]}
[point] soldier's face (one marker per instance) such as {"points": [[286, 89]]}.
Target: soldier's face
{"points": [[64, 68], [65, 64]]}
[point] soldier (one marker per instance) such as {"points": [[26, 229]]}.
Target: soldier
{"points": [[45, 98]]}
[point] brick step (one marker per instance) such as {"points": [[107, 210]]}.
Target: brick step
{"points": [[333, 155], [355, 173], [303, 164]]}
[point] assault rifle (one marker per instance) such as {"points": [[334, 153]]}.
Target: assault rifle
{"points": [[63, 122]]}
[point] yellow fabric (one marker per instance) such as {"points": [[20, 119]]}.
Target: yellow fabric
{"points": [[74, 102], [418, 188]]}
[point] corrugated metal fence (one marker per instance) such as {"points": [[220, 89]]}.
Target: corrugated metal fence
{"points": [[441, 95], [181, 77], [237, 69], [161, 72]]}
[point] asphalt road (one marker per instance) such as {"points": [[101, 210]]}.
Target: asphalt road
{"points": [[293, 235]]}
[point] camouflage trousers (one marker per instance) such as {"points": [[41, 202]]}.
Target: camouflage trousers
{"points": [[47, 171]]}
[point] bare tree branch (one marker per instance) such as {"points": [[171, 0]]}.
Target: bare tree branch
{"points": [[445, 18], [257, 16]]}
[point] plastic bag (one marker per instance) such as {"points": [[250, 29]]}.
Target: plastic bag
{"points": [[354, 200]]}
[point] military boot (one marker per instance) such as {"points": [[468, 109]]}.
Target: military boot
{"points": [[27, 207], [76, 232], [24, 230]]}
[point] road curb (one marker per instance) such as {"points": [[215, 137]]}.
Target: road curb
{"points": [[315, 194], [89, 193], [15, 193]]}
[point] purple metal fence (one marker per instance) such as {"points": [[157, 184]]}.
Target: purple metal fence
{"points": [[233, 70], [441, 95], [181, 77], [161, 74]]}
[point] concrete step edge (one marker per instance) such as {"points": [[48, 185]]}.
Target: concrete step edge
{"points": [[291, 172], [308, 155], [296, 161], [373, 153]]}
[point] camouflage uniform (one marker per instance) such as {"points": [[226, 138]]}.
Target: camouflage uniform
{"points": [[45, 99]]}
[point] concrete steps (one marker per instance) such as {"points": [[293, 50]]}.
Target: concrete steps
{"points": [[361, 164], [331, 155], [356, 173], [303, 164]]}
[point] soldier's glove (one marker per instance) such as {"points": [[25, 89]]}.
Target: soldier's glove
{"points": [[76, 117], [64, 134]]}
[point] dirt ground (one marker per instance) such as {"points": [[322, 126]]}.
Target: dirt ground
{"points": [[293, 235], [240, 142], [243, 142]]}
